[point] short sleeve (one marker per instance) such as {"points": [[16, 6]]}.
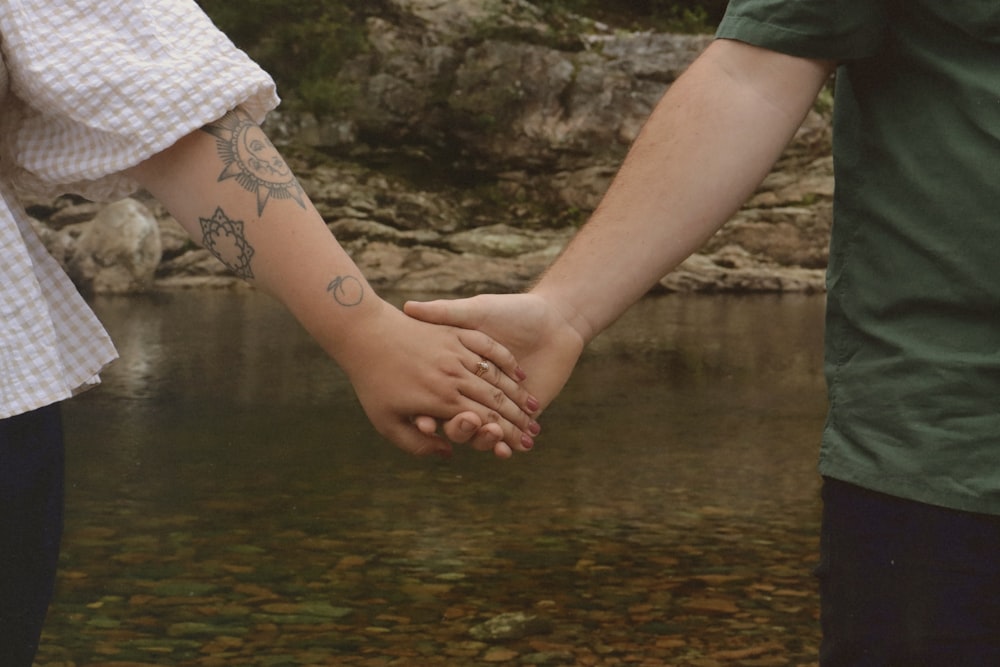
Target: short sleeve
{"points": [[826, 29], [97, 87]]}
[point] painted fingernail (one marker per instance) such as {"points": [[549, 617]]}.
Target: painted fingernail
{"points": [[534, 428], [527, 442], [521, 375], [532, 404]]}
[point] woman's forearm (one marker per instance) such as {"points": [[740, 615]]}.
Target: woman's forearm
{"points": [[244, 205], [231, 190]]}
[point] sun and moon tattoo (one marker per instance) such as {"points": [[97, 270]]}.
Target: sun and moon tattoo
{"points": [[252, 162]]}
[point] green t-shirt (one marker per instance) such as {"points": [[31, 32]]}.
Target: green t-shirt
{"points": [[913, 315]]}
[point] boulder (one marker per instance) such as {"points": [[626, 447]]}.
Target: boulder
{"points": [[119, 250]]}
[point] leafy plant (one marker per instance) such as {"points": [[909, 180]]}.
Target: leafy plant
{"points": [[301, 43]]}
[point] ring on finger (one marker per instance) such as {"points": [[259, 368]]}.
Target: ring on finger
{"points": [[481, 368]]}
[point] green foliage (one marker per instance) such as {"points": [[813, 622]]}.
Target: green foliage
{"points": [[824, 101], [301, 43]]}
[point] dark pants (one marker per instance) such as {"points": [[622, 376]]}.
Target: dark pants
{"points": [[31, 516], [908, 584]]}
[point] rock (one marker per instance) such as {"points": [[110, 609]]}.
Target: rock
{"points": [[195, 269], [433, 270], [735, 270], [174, 239], [549, 658], [119, 251], [504, 241], [490, 78], [513, 625], [71, 213], [351, 229], [59, 242], [496, 655]]}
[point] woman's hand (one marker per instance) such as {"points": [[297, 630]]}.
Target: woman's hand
{"points": [[402, 367], [528, 325]]}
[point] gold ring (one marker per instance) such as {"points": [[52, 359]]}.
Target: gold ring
{"points": [[481, 368]]}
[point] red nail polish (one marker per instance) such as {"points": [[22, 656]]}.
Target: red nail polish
{"points": [[532, 405], [521, 375], [527, 442], [534, 428]]}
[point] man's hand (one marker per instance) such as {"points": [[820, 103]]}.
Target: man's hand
{"points": [[528, 325], [404, 367]]}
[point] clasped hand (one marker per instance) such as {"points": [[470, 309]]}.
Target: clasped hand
{"points": [[528, 327], [405, 367]]}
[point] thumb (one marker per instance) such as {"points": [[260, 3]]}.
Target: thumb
{"points": [[411, 440], [453, 313], [459, 429]]}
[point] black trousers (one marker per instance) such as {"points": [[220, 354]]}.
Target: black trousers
{"points": [[907, 584], [31, 519]]}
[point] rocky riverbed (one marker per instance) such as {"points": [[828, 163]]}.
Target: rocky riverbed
{"points": [[229, 505]]}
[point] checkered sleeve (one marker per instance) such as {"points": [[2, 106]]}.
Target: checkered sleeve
{"points": [[97, 87], [89, 88]]}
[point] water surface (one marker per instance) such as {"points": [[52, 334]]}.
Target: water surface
{"points": [[229, 504]]}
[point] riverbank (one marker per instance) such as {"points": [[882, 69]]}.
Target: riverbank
{"points": [[472, 140]]}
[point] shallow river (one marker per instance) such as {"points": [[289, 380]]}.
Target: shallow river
{"points": [[229, 504]]}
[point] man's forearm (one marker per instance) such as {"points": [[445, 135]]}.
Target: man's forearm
{"points": [[706, 147]]}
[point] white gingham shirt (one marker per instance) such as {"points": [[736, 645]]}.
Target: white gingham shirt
{"points": [[89, 88]]}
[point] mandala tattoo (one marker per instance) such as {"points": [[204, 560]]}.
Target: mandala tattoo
{"points": [[224, 238], [252, 161], [346, 290]]}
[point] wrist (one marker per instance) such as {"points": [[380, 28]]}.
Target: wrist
{"points": [[569, 318], [348, 333]]}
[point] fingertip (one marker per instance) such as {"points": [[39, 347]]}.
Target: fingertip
{"points": [[527, 442], [502, 451], [462, 427], [487, 437], [426, 425]]}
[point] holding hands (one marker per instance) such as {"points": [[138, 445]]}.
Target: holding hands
{"points": [[231, 190], [403, 367], [531, 326], [657, 211]]}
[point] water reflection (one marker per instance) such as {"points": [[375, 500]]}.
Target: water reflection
{"points": [[230, 505]]}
